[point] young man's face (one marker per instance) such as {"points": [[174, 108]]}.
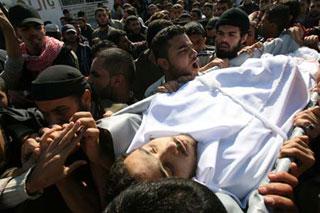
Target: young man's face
{"points": [[164, 157], [182, 58], [194, 16], [33, 35], [251, 39], [100, 79], [82, 23], [70, 37], [175, 13], [134, 26], [207, 11], [265, 27], [59, 111], [228, 41], [198, 41], [152, 9], [102, 18], [314, 8]]}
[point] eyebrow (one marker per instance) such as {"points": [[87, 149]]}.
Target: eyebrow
{"points": [[161, 168], [184, 46]]}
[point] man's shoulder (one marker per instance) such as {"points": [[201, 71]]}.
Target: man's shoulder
{"points": [[67, 57]]}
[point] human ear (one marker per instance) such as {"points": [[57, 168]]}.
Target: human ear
{"points": [[86, 98], [244, 38], [163, 63]]}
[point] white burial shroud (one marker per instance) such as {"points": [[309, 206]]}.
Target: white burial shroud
{"points": [[239, 116]]}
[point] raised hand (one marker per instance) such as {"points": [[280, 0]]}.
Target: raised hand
{"points": [[50, 167]]}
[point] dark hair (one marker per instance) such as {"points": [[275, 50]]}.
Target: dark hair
{"points": [[115, 36], [65, 11], [81, 14], [118, 179], [279, 15], [131, 11], [294, 8], [197, 11], [47, 22], [208, 4], [101, 45], [229, 2], [131, 18], [194, 28], [156, 26], [118, 61], [160, 42], [172, 195], [100, 9]]}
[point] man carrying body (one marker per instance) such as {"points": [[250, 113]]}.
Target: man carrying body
{"points": [[111, 77], [62, 94]]}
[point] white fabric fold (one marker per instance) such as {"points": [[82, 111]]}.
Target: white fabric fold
{"points": [[236, 149]]}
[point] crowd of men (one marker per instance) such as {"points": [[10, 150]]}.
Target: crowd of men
{"points": [[63, 142]]}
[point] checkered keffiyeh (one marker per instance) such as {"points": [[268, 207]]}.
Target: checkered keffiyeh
{"points": [[38, 63]]}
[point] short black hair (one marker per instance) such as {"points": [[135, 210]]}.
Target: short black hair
{"points": [[131, 18], [81, 14], [65, 11], [279, 14], [118, 179], [118, 61], [101, 45], [115, 35], [197, 11], [100, 9], [228, 2], [173, 195], [208, 4], [156, 26], [194, 28], [160, 42], [131, 11]]}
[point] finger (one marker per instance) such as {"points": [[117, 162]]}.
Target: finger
{"points": [[162, 89], [306, 157], [276, 189], [78, 115], [70, 135], [107, 114], [75, 165], [294, 170], [283, 177], [50, 129], [91, 132], [87, 122], [279, 202], [59, 138], [172, 86]]}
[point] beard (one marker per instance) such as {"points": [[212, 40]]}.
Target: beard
{"points": [[229, 54]]}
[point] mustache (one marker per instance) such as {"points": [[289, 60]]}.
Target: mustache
{"points": [[223, 44]]}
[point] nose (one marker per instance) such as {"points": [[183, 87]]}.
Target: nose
{"points": [[168, 151], [194, 53]]}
